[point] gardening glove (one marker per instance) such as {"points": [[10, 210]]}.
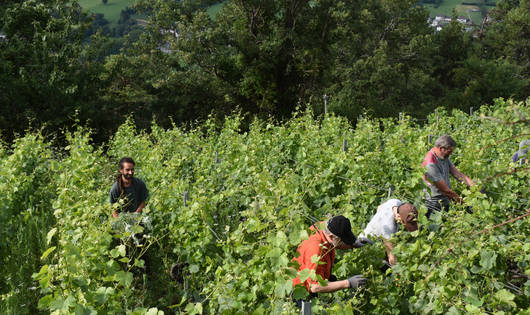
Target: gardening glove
{"points": [[356, 281], [361, 241]]}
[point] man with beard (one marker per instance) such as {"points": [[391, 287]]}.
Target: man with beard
{"points": [[438, 168], [129, 188]]}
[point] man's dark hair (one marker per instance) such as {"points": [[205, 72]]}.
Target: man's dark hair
{"points": [[119, 180], [124, 160]]}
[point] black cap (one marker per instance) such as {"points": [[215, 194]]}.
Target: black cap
{"points": [[341, 227]]}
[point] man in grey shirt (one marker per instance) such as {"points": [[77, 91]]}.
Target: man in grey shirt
{"points": [[438, 168]]}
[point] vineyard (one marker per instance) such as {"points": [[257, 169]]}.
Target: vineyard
{"points": [[227, 208]]}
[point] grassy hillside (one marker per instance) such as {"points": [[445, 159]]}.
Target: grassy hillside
{"points": [[214, 9], [447, 7], [111, 10]]}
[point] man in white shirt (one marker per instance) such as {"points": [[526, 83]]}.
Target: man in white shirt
{"points": [[386, 222]]}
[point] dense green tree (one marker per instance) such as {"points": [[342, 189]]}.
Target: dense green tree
{"points": [[381, 59], [263, 57], [472, 70], [507, 37], [45, 73], [479, 81]]}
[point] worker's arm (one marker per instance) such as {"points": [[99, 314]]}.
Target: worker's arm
{"points": [[114, 196], [446, 191], [343, 246], [140, 207], [461, 176], [330, 287], [392, 260]]}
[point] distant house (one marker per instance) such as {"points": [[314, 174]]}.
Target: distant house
{"points": [[3, 37], [463, 20], [170, 31], [166, 47], [440, 21]]}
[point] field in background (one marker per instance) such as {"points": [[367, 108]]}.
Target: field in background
{"points": [[111, 10], [214, 9], [447, 7]]}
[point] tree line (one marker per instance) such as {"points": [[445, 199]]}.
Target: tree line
{"points": [[264, 58]]}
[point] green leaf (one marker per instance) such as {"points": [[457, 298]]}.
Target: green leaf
{"points": [[194, 268], [283, 288], [121, 250], [488, 259], [114, 253], [124, 278], [506, 297], [259, 311], [304, 274], [299, 292], [274, 253], [137, 229], [81, 310], [45, 301], [102, 294], [139, 263], [472, 309], [198, 308], [154, 311], [315, 259], [50, 234], [80, 282], [323, 282], [473, 300], [42, 272], [291, 272], [47, 252]]}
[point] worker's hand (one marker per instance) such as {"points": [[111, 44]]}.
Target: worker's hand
{"points": [[392, 260], [361, 241], [357, 281]]}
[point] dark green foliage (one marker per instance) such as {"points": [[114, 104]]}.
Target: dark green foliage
{"points": [[264, 58], [27, 191], [46, 74]]}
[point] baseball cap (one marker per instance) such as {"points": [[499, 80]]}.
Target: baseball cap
{"points": [[409, 216], [340, 226]]}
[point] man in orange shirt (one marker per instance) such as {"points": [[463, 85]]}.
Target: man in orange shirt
{"points": [[318, 253]]}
